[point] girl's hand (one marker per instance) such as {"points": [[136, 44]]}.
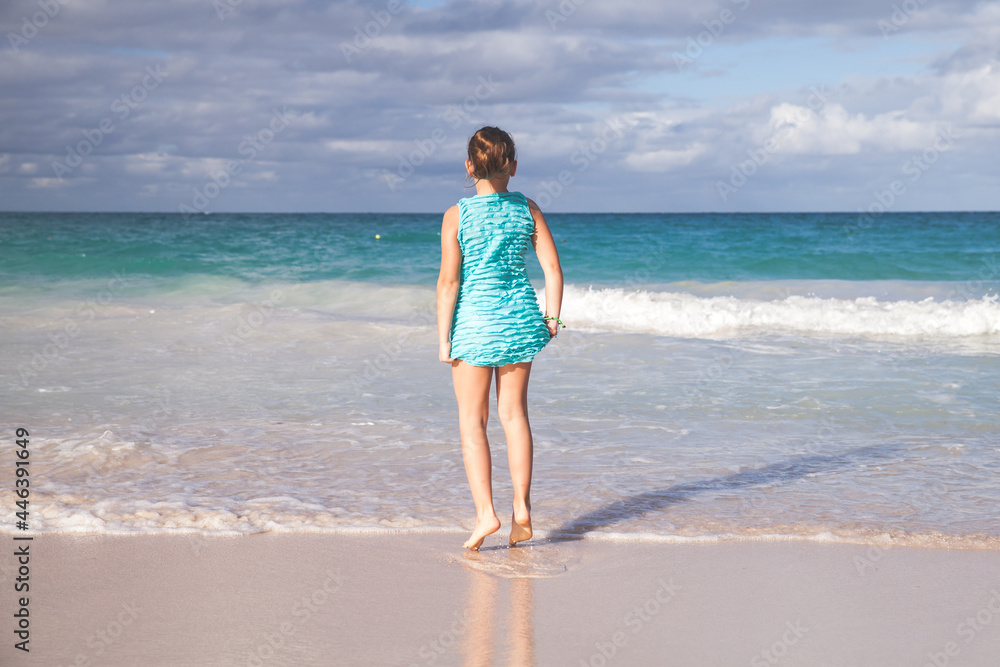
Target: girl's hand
{"points": [[444, 352], [553, 327]]}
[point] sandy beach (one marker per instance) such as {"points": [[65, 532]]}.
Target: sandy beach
{"points": [[418, 599]]}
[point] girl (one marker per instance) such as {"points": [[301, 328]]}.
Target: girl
{"points": [[489, 324]]}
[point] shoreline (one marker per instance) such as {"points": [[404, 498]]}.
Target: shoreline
{"points": [[419, 599], [871, 538]]}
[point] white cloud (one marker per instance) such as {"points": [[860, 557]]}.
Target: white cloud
{"points": [[148, 164], [973, 95], [832, 130], [364, 146], [48, 183], [664, 159]]}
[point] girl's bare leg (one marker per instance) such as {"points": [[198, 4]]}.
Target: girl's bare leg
{"points": [[472, 389], [512, 404]]}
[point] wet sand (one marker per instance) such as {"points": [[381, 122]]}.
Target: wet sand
{"points": [[418, 599]]}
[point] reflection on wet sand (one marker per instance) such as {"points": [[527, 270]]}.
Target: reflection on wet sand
{"points": [[488, 569], [520, 625], [480, 612]]}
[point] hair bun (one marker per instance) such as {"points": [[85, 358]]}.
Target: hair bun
{"points": [[492, 153]]}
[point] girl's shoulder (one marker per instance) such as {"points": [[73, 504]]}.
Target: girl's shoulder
{"points": [[518, 197], [450, 221], [530, 203]]}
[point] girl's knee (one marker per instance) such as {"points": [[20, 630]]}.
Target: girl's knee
{"points": [[473, 424], [512, 414]]}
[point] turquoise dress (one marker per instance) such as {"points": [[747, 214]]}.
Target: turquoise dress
{"points": [[497, 320]]}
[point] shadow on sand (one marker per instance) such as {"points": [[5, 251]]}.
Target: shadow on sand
{"points": [[657, 500]]}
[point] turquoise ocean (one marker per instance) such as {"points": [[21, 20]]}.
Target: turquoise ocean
{"points": [[721, 376]]}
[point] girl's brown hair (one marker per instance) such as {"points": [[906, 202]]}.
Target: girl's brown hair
{"points": [[492, 153]]}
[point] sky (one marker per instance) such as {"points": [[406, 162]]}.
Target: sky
{"points": [[615, 106]]}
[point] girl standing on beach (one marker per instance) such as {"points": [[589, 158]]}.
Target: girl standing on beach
{"points": [[489, 323]]}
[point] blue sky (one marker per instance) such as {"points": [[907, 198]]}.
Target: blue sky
{"points": [[776, 65], [287, 105]]}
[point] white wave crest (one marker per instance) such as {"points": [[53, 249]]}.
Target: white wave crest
{"points": [[689, 316]]}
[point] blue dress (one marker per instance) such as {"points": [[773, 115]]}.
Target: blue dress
{"points": [[497, 320]]}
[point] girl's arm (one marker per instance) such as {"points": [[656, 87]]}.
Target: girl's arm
{"points": [[448, 281], [548, 257]]}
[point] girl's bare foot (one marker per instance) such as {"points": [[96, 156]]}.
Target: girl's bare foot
{"points": [[484, 526], [520, 525]]}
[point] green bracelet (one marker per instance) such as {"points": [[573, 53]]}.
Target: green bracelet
{"points": [[557, 320]]}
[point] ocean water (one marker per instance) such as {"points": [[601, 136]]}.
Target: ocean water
{"points": [[722, 376]]}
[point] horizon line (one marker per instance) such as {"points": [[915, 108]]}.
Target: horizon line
{"points": [[207, 213]]}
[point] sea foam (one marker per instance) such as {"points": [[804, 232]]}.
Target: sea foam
{"points": [[690, 316]]}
